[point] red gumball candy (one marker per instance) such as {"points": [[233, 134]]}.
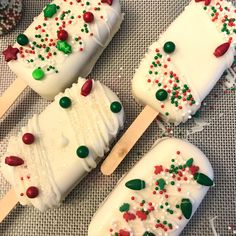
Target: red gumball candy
{"points": [[88, 17], [28, 138], [62, 35], [32, 192]]}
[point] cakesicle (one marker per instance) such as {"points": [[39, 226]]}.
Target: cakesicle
{"points": [[63, 43], [159, 194], [57, 148], [182, 67]]}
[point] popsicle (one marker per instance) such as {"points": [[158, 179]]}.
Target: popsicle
{"points": [[181, 68], [159, 195], [63, 43], [60, 146]]}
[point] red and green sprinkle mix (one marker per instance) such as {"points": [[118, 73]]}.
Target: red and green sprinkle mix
{"points": [[161, 215]]}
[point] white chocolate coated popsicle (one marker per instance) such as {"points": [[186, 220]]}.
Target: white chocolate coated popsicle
{"points": [[63, 43], [61, 145], [159, 194], [182, 67]]}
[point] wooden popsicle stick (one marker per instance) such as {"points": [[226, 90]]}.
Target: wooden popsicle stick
{"points": [[11, 94], [7, 204], [128, 140]]}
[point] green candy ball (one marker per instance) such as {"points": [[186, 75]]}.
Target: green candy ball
{"points": [[161, 95], [169, 47], [116, 107], [50, 10], [82, 152], [65, 102], [22, 39], [38, 74]]}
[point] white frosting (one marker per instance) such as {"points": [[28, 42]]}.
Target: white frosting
{"points": [[106, 23], [196, 37], [51, 162], [161, 153]]}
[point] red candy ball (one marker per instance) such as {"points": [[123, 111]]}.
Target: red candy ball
{"points": [[32, 192], [28, 138], [88, 17], [62, 35]]}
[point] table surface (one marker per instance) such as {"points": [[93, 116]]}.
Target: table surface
{"points": [[144, 21]]}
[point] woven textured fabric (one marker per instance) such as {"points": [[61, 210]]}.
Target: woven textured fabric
{"points": [[144, 21]]}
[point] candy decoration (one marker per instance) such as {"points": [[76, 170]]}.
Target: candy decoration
{"points": [[189, 162], [87, 88], [116, 107], [186, 208], [141, 215], [207, 2], [28, 138], [10, 53], [88, 17], [123, 233], [129, 216], [107, 1], [203, 179], [169, 47], [135, 184], [50, 10], [14, 161], [161, 183], [22, 39], [32, 192], [199, 0], [62, 35], [194, 169], [148, 234], [125, 207], [65, 102], [38, 74], [82, 152], [63, 46], [222, 49], [158, 169], [161, 95]]}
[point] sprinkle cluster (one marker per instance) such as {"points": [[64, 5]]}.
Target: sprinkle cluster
{"points": [[166, 80], [164, 203], [223, 15]]}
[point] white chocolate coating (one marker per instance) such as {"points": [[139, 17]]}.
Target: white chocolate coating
{"points": [[65, 68], [193, 63], [162, 154], [51, 163]]}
